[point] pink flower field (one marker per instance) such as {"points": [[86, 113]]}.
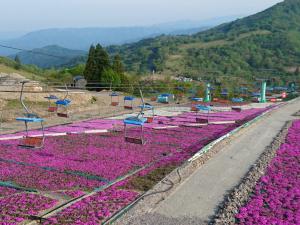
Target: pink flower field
{"points": [[88, 170], [276, 198]]}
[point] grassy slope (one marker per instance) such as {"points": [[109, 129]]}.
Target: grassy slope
{"points": [[176, 61], [8, 66], [8, 70]]}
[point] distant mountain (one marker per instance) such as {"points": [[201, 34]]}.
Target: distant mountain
{"points": [[82, 38], [5, 35], [51, 56], [256, 45]]}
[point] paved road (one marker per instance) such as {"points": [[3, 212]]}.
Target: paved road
{"points": [[197, 197]]}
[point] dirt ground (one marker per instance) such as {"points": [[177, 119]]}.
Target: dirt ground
{"points": [[84, 105]]}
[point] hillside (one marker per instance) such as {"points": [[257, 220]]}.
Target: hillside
{"points": [[8, 66], [245, 47], [51, 56]]}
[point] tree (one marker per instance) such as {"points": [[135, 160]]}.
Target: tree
{"points": [[18, 62], [102, 62], [77, 70], [109, 76], [90, 67], [118, 66]]}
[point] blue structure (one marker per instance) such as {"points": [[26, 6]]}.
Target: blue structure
{"points": [[129, 99], [27, 141], [207, 109], [51, 107], [147, 106], [62, 105], [197, 99], [237, 100], [280, 88], [135, 121], [139, 121], [164, 98], [115, 99], [255, 94], [224, 93]]}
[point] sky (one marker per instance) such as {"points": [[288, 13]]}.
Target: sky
{"points": [[29, 15]]}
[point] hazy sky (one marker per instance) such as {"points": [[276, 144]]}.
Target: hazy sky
{"points": [[28, 15]]}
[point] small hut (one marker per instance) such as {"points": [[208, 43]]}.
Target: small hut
{"points": [[79, 82]]}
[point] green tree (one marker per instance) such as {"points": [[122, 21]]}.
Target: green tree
{"points": [[77, 70], [102, 62], [18, 62], [117, 65], [109, 76], [90, 67]]}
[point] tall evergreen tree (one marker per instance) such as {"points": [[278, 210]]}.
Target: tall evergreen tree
{"points": [[90, 68], [102, 61], [118, 66]]}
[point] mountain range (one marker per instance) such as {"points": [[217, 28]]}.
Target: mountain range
{"points": [[82, 38], [265, 43], [51, 56]]}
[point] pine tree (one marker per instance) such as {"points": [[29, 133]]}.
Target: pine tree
{"points": [[102, 62], [118, 66], [90, 68]]}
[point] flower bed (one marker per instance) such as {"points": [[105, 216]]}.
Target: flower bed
{"points": [[36, 178], [276, 198], [108, 156], [96, 208], [76, 164], [5, 191], [19, 207]]}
